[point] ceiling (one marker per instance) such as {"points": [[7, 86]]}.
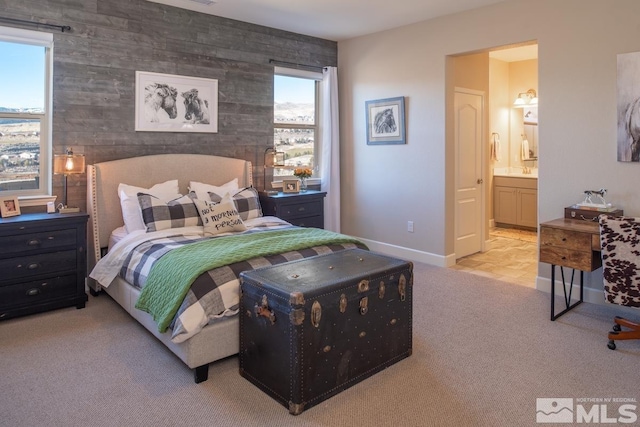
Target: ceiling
{"points": [[330, 19]]}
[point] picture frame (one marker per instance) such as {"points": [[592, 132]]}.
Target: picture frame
{"points": [[290, 186], [172, 103], [628, 107], [385, 121], [9, 206]]}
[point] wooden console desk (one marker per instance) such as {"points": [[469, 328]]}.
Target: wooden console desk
{"points": [[569, 243]]}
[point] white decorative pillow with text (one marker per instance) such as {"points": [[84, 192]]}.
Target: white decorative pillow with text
{"points": [[219, 217]]}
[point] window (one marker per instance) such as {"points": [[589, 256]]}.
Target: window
{"points": [[25, 112], [295, 119]]}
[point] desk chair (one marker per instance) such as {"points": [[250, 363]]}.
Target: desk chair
{"points": [[620, 242]]}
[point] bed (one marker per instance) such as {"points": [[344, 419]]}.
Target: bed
{"points": [[217, 339]]}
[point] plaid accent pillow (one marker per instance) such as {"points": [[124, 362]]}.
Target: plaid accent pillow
{"points": [[247, 202], [131, 208], [219, 217], [158, 215]]}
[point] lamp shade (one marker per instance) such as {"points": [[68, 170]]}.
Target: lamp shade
{"points": [[273, 158], [528, 98], [68, 163], [519, 102]]}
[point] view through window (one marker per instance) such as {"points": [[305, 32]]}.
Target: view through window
{"points": [[23, 118], [295, 127]]}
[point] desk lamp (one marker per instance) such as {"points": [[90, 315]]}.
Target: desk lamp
{"points": [[67, 164]]}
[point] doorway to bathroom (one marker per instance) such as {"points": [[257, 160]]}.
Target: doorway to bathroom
{"points": [[509, 250], [512, 257]]}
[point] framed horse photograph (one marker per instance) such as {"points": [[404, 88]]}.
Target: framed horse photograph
{"points": [[171, 103], [385, 121]]}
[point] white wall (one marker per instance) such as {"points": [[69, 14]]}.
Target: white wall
{"points": [[384, 186]]}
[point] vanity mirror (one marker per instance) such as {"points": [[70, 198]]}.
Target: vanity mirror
{"points": [[531, 135]]}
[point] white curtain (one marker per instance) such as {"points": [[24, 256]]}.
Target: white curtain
{"points": [[330, 149]]}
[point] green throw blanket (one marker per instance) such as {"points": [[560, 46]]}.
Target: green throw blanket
{"points": [[171, 276]]}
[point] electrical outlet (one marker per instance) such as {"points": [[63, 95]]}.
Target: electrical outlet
{"points": [[410, 226]]}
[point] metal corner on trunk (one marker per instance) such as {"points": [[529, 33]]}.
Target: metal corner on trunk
{"points": [[296, 298], [296, 316], [296, 408]]}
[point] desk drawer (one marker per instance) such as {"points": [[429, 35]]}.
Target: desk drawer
{"points": [[565, 239], [18, 243], [29, 266]]}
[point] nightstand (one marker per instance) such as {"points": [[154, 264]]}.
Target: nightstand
{"points": [[302, 209], [43, 259]]}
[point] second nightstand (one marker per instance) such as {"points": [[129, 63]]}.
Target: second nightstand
{"points": [[302, 209]]}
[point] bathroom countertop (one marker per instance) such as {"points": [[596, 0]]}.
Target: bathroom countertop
{"points": [[515, 173]]}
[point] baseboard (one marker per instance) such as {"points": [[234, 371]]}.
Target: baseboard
{"points": [[594, 296], [590, 295], [408, 254]]}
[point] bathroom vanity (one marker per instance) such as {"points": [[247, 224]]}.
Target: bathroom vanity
{"points": [[515, 200]]}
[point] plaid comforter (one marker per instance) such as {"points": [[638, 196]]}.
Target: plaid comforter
{"points": [[215, 293]]}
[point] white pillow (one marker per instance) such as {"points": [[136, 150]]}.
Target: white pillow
{"points": [[202, 190], [131, 212], [219, 217]]}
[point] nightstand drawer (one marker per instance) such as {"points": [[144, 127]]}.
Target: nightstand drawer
{"points": [[28, 266], [565, 238], [298, 210], [311, 221], [36, 291], [18, 243], [566, 257]]}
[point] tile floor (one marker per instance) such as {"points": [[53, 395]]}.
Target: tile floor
{"points": [[513, 257]]}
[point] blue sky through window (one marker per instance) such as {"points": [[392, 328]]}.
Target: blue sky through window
{"points": [[21, 76], [294, 89]]}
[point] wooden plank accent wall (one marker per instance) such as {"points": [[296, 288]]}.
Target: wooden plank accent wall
{"points": [[94, 77]]}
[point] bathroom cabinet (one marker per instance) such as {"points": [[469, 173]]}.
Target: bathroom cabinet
{"points": [[515, 201]]}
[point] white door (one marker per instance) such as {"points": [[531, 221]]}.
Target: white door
{"points": [[469, 113]]}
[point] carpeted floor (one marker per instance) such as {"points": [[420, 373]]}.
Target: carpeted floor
{"points": [[484, 351]]}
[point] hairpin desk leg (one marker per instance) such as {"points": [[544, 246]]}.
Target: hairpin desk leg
{"points": [[567, 296]]}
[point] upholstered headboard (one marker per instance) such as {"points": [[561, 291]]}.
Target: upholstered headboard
{"points": [[103, 203]]}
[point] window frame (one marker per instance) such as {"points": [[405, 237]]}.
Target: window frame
{"points": [[42, 194], [317, 129]]}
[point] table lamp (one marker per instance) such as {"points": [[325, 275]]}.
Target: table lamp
{"points": [[272, 159], [67, 164]]}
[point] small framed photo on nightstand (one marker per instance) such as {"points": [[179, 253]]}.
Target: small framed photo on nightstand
{"points": [[9, 206], [290, 186]]}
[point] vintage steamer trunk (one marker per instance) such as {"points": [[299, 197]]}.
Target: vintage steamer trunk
{"points": [[311, 328], [575, 212]]}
